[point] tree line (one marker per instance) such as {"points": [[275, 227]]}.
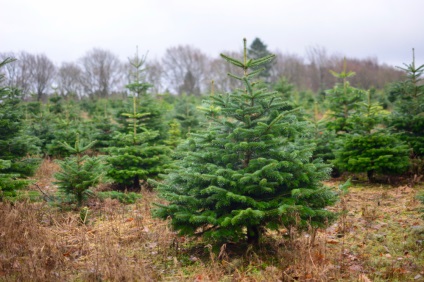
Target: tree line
{"points": [[183, 69]]}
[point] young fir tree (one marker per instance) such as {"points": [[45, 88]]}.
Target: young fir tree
{"points": [[174, 134], [343, 102], [103, 125], [187, 115], [135, 157], [78, 173], [322, 137], [369, 147], [248, 171], [408, 113], [16, 145]]}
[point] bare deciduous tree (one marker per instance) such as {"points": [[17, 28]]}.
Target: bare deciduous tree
{"points": [[319, 67], [291, 67], [154, 75], [69, 79], [185, 69], [219, 70], [43, 71], [102, 72], [19, 74]]}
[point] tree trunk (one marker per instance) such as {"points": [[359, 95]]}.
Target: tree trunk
{"points": [[253, 235], [370, 175], [136, 183]]}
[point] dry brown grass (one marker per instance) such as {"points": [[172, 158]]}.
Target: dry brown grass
{"points": [[44, 178], [374, 242]]}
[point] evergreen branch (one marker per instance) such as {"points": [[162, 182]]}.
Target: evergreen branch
{"points": [[248, 86], [234, 76], [262, 60], [256, 72], [233, 61]]}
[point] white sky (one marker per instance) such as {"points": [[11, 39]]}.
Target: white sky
{"points": [[66, 30]]}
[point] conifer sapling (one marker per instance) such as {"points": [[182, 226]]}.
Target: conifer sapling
{"points": [[78, 173], [251, 170]]}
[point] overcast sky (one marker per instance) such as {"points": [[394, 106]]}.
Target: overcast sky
{"points": [[66, 30]]}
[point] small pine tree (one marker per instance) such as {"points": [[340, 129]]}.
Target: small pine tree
{"points": [[322, 137], [78, 173], [135, 156], [370, 147], [187, 115], [343, 102], [249, 171]]}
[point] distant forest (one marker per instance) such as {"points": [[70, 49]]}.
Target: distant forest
{"points": [[185, 69]]}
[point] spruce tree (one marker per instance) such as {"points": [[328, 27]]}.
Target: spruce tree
{"points": [[408, 113], [249, 171], [78, 173], [370, 147], [16, 146], [186, 113], [343, 102], [135, 157]]}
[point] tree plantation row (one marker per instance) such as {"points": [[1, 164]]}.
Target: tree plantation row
{"points": [[230, 165], [183, 69]]}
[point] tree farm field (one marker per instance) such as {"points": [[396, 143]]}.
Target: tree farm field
{"points": [[378, 236], [260, 179]]}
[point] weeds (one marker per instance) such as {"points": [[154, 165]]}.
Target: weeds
{"points": [[378, 237]]}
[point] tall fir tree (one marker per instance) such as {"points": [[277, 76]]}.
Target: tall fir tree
{"points": [[135, 156], [249, 171]]}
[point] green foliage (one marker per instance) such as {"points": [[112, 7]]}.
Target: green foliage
{"points": [[134, 159], [124, 198], [323, 138], [408, 113], [135, 156], [186, 113], [259, 51], [250, 170], [16, 146], [343, 102], [174, 134], [78, 173], [373, 153], [363, 143]]}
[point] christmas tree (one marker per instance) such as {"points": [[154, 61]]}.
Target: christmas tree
{"points": [[251, 170], [370, 147], [135, 156], [408, 114], [78, 173]]}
